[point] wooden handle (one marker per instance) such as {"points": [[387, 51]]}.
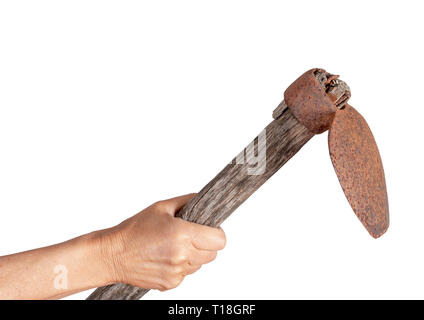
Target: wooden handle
{"points": [[280, 141]]}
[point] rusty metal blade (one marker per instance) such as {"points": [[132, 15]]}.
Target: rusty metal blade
{"points": [[358, 166]]}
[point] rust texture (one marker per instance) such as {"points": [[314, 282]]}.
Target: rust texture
{"points": [[309, 102], [314, 103], [358, 166], [318, 100]]}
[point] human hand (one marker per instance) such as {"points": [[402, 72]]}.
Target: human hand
{"points": [[156, 250]]}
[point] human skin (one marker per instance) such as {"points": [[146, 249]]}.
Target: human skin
{"points": [[152, 250]]}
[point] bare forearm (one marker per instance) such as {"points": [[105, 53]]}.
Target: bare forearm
{"points": [[152, 250], [55, 271]]}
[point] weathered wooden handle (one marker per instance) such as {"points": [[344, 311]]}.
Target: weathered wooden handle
{"points": [[280, 140]]}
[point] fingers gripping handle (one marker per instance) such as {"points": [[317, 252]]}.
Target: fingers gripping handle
{"points": [[269, 151]]}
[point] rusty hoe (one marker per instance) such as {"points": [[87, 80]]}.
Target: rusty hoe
{"points": [[314, 103]]}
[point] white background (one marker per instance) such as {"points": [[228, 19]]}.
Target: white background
{"points": [[108, 106]]}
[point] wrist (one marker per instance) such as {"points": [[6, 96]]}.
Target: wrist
{"points": [[106, 246]]}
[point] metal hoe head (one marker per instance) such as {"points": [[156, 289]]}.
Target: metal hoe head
{"points": [[318, 100]]}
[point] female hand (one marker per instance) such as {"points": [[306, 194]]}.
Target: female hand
{"points": [[152, 250], [155, 250]]}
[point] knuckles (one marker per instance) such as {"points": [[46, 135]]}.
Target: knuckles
{"points": [[179, 234], [175, 272], [171, 281], [170, 245], [178, 255]]}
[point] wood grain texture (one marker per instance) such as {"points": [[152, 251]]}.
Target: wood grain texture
{"points": [[233, 185]]}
